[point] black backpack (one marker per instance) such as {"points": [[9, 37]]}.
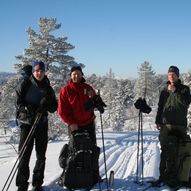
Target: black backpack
{"points": [[26, 72], [184, 162], [178, 162], [81, 166]]}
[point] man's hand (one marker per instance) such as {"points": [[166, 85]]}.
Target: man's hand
{"points": [[171, 87], [73, 127]]}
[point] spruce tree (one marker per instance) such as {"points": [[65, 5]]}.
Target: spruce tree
{"points": [[144, 86]]}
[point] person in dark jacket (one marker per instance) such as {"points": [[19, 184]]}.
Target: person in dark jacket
{"points": [[76, 104], [171, 118], [34, 96]]}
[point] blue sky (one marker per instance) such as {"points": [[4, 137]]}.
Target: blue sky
{"points": [[116, 34]]}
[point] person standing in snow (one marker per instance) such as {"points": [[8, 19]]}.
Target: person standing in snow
{"points": [[171, 118], [34, 95], [76, 104]]}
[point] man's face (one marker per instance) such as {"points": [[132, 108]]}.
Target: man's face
{"points": [[172, 77], [76, 76], [39, 74]]}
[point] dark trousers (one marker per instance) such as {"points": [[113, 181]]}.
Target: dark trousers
{"points": [[166, 132], [40, 138]]}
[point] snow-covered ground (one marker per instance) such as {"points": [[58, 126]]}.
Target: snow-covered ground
{"points": [[121, 156]]}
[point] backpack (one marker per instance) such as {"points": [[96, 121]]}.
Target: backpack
{"points": [[62, 159], [178, 162], [81, 167], [26, 72], [184, 161]]}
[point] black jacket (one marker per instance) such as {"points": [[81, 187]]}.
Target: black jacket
{"points": [[30, 92], [173, 106]]}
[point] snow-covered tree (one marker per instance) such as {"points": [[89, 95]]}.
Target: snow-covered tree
{"points": [[144, 86], [108, 92], [53, 51], [123, 99], [7, 101]]}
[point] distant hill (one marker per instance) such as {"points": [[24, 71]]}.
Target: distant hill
{"points": [[4, 76]]}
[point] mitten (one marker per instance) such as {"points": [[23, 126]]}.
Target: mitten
{"points": [[99, 104]]}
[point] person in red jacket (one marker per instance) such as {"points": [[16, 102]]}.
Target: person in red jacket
{"points": [[76, 104]]}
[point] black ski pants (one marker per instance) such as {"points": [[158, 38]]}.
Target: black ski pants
{"points": [[165, 132], [40, 138]]}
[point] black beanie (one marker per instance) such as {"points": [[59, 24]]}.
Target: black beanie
{"points": [[76, 68], [174, 69]]}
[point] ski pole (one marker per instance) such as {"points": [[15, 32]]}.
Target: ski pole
{"points": [[140, 139], [138, 143], [21, 153], [101, 121], [142, 147], [104, 151]]}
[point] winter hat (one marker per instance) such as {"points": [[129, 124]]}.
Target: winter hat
{"points": [[174, 69], [76, 68], [38, 65]]}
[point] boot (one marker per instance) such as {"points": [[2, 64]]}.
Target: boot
{"points": [[22, 188]]}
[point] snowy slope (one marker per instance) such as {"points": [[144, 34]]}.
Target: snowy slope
{"points": [[121, 156]]}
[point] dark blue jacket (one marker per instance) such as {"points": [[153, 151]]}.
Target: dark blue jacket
{"points": [[30, 92]]}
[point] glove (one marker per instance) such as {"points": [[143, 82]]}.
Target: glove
{"points": [[22, 113], [141, 104], [25, 112], [99, 104], [23, 109]]}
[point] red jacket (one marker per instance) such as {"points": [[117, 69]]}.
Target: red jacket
{"points": [[71, 104]]}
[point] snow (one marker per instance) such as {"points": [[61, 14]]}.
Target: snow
{"points": [[121, 157]]}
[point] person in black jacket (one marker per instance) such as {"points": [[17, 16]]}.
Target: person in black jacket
{"points": [[34, 96], [171, 120]]}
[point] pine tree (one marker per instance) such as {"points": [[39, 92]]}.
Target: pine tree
{"points": [[144, 86], [51, 50]]}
